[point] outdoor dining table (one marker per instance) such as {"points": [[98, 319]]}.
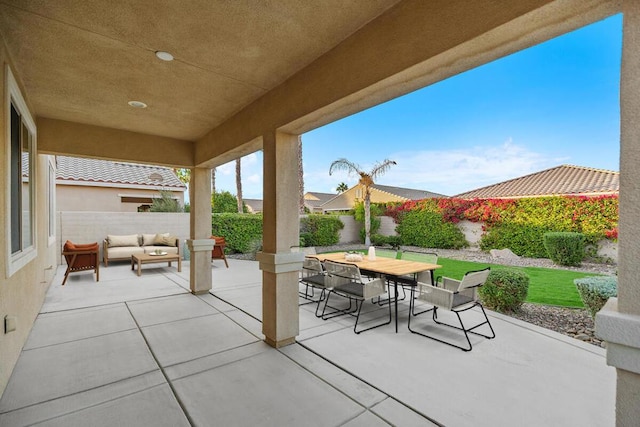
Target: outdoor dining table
{"points": [[391, 268]]}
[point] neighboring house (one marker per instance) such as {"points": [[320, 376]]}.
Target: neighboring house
{"points": [[379, 194], [254, 206], [564, 180], [106, 186], [314, 201]]}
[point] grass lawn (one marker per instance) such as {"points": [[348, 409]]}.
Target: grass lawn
{"points": [[547, 285]]}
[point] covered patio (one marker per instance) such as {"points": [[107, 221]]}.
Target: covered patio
{"points": [[197, 85], [145, 348]]}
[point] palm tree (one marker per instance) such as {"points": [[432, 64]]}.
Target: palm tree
{"points": [[239, 184], [342, 187], [366, 180], [300, 178]]}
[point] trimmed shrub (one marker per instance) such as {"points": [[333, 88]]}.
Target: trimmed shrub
{"points": [[242, 232], [427, 229], [523, 240], [565, 248], [381, 240], [596, 290], [505, 290], [320, 230]]}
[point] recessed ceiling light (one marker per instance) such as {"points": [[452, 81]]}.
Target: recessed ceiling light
{"points": [[137, 104], [165, 56]]}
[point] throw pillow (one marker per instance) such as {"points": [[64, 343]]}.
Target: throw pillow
{"points": [[148, 239], [116, 241], [165, 240]]}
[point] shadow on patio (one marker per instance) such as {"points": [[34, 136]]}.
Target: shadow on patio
{"points": [[134, 350]]}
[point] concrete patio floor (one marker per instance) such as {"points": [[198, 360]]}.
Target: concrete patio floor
{"points": [[143, 351]]}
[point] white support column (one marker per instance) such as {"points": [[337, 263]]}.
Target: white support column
{"points": [[618, 322], [200, 245], [280, 321]]}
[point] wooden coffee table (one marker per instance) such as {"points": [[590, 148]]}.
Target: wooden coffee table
{"points": [[140, 259]]}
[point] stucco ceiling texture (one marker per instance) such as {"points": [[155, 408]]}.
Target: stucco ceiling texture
{"points": [[83, 60]]}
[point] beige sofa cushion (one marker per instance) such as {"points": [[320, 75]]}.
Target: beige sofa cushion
{"points": [[120, 241], [148, 239], [165, 240], [124, 252]]}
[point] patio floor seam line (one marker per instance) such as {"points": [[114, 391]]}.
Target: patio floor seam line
{"points": [[367, 383], [81, 391], [180, 320], [217, 366], [164, 374], [234, 306], [111, 303], [172, 278], [80, 339]]}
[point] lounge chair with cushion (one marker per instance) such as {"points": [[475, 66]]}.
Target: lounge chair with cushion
{"points": [[81, 257], [218, 249]]}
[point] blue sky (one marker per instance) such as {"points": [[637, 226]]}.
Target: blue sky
{"points": [[555, 103]]}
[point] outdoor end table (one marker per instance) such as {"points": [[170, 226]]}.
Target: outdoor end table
{"points": [[150, 258]]}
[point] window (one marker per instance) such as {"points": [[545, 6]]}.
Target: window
{"points": [[21, 150], [52, 201]]}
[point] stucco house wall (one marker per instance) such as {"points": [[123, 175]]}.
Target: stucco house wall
{"points": [[22, 293], [104, 199]]}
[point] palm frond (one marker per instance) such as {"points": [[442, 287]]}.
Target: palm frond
{"points": [[380, 168], [345, 165]]}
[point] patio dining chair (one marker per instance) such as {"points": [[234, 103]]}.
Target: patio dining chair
{"points": [[426, 277], [456, 296], [81, 257], [344, 280], [313, 276]]}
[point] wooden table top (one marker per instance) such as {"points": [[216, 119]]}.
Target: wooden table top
{"points": [[388, 266], [159, 258]]}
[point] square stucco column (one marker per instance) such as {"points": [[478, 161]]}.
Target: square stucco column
{"points": [[280, 322], [618, 322], [200, 245]]}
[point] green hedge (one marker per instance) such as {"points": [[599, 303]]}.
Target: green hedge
{"points": [[596, 290], [242, 232], [565, 248], [523, 240], [320, 230], [505, 290], [427, 229]]}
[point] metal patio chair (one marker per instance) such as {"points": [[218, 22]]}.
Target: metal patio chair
{"points": [[426, 277], [345, 280], [456, 296]]}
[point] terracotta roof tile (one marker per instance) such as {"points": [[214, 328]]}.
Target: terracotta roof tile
{"points": [[104, 171], [407, 193], [560, 180]]}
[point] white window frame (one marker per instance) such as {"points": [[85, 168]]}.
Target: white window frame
{"points": [[16, 261], [51, 201]]}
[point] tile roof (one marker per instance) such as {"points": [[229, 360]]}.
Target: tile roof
{"points": [[560, 180], [255, 205], [407, 193], [76, 169], [318, 198]]}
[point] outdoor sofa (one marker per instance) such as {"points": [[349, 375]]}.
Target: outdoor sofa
{"points": [[116, 247]]}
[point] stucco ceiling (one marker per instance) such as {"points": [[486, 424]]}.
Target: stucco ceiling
{"points": [[83, 60]]}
